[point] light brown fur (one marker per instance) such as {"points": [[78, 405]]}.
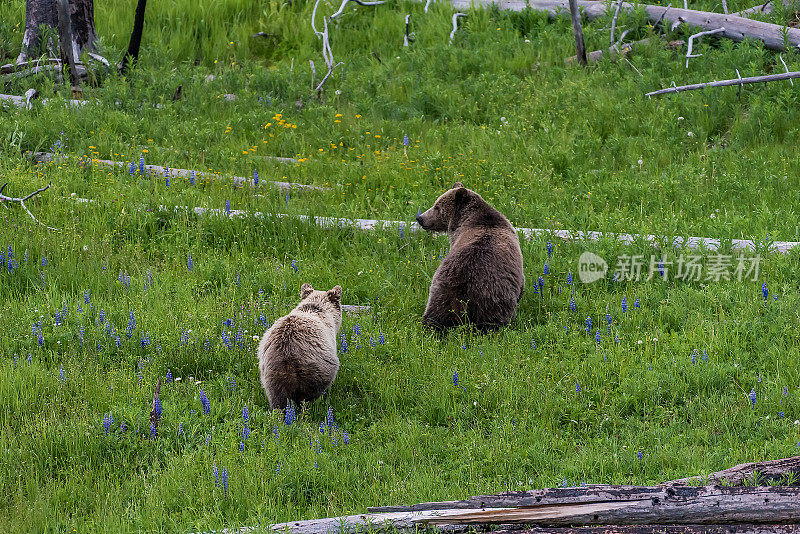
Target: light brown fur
{"points": [[297, 355], [481, 279]]}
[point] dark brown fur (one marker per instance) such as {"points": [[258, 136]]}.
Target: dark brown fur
{"points": [[481, 279], [297, 355]]}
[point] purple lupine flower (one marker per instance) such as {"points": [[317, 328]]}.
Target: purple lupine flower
{"points": [[381, 340], [108, 420], [157, 407], [572, 305], [344, 344], [455, 378], [577, 387], [153, 431], [329, 418], [765, 291], [227, 207], [569, 278], [255, 179], [546, 268], [597, 337], [639, 455], [549, 248], [205, 402], [636, 303], [405, 140], [588, 324], [752, 397], [192, 177], [61, 371], [345, 437], [141, 164], [225, 481], [216, 474], [180, 428], [624, 304], [289, 414]]}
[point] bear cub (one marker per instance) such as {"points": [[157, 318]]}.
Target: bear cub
{"points": [[297, 355], [481, 279]]}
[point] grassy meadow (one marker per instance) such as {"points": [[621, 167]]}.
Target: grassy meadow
{"points": [[619, 381]]}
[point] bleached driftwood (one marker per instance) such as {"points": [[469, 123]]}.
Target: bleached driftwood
{"points": [[736, 28], [698, 36], [695, 243], [22, 200], [614, 22], [456, 16], [724, 83], [577, 31], [22, 102], [158, 170], [692, 243], [359, 2]]}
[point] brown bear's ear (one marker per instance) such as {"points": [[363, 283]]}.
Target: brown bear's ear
{"points": [[305, 290], [457, 185], [335, 294], [461, 196]]}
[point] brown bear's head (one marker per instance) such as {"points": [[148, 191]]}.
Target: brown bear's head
{"points": [[322, 302], [439, 217]]}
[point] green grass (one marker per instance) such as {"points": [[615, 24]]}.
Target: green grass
{"points": [[551, 146]]}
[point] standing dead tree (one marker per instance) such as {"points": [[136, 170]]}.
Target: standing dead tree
{"points": [[580, 47]]}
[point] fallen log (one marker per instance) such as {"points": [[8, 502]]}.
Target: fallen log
{"points": [[736, 28], [158, 170], [724, 83], [662, 529], [705, 507], [22, 102], [784, 471], [621, 50]]}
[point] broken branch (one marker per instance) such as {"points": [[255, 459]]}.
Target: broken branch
{"points": [[456, 16], [698, 36], [22, 200], [723, 83]]}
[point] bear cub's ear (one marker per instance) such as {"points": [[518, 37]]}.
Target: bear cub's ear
{"points": [[457, 185], [305, 290], [335, 294]]}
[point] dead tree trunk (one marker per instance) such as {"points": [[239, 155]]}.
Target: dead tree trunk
{"points": [[41, 16]]}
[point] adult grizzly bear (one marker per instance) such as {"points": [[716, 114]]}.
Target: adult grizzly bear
{"points": [[297, 355], [481, 279]]}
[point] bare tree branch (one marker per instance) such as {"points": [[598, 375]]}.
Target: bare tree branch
{"points": [[723, 83], [22, 200]]}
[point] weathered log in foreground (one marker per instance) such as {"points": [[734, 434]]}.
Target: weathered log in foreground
{"points": [[662, 529], [736, 28], [713, 506]]}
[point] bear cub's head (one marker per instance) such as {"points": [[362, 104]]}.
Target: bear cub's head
{"points": [[437, 219], [322, 302]]}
